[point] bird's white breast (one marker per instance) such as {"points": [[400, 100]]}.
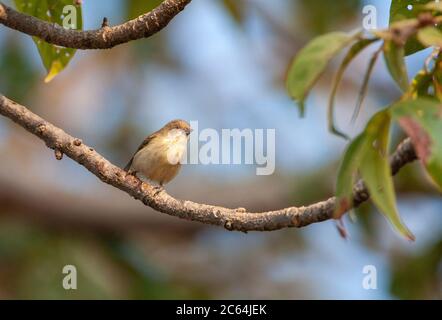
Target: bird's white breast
{"points": [[160, 159], [176, 142]]}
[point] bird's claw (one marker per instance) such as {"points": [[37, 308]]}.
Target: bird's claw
{"points": [[157, 190]]}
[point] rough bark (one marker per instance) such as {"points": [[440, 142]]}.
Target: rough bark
{"points": [[106, 37], [232, 219]]}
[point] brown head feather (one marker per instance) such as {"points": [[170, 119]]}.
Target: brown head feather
{"points": [[177, 124], [174, 124]]}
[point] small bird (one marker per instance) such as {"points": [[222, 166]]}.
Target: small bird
{"points": [[159, 156]]}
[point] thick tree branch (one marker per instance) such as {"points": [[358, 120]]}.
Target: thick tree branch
{"points": [[144, 26], [232, 219]]}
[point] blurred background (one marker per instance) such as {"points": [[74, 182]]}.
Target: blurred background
{"points": [[222, 63]]}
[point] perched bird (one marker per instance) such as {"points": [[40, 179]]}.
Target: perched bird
{"points": [[159, 156]]}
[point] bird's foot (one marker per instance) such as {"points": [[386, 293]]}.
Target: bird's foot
{"points": [[131, 173], [158, 190]]}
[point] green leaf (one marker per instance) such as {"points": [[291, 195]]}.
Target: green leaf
{"points": [[399, 11], [54, 58], [437, 81], [376, 172], [430, 36], [347, 173], [395, 60], [368, 154], [311, 62], [354, 51], [364, 88], [420, 85], [422, 120]]}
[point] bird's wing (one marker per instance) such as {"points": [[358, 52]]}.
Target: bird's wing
{"points": [[142, 145]]}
